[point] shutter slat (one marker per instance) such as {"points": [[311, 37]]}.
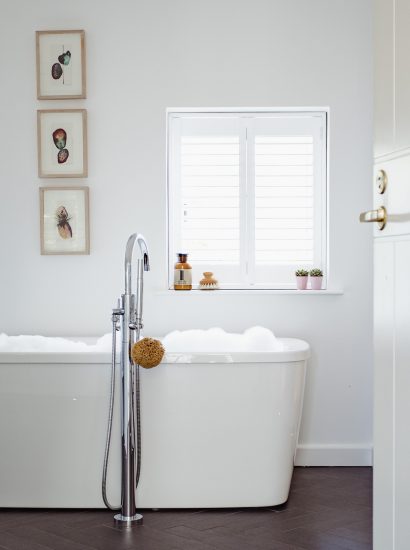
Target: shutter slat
{"points": [[283, 223], [292, 256], [203, 223], [283, 191], [284, 160], [207, 191], [270, 140], [210, 171], [202, 139], [286, 180], [288, 213], [207, 181], [209, 149], [210, 160], [285, 244], [283, 233], [284, 149], [210, 244], [284, 202], [212, 256], [283, 170], [209, 202]]}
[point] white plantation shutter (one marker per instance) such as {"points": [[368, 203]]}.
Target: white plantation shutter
{"points": [[247, 195]]}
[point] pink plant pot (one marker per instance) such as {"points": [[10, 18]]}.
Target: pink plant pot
{"points": [[316, 283], [301, 283]]}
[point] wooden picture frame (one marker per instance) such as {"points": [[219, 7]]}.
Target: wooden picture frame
{"points": [[62, 143], [64, 220], [60, 60]]}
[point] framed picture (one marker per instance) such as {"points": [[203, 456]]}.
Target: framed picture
{"points": [[60, 65], [62, 143], [64, 224]]}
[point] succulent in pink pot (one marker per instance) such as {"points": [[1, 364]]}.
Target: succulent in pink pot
{"points": [[301, 279], [316, 277]]}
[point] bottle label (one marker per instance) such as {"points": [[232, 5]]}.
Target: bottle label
{"points": [[182, 277]]}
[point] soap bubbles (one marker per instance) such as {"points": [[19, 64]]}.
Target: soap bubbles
{"points": [[48, 344], [217, 340], [213, 340]]}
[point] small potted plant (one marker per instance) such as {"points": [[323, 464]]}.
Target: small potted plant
{"points": [[316, 276], [301, 279]]}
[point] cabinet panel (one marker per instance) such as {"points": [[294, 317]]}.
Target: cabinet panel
{"points": [[383, 76], [402, 48], [383, 510], [402, 401]]}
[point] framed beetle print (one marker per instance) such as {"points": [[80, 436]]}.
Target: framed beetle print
{"points": [[62, 143], [60, 64], [64, 220]]}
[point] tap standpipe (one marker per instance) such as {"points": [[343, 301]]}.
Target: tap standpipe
{"points": [[131, 325]]}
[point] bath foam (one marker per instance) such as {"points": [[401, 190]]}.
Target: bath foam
{"points": [[212, 340], [30, 343], [217, 340]]}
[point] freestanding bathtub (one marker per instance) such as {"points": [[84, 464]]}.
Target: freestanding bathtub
{"points": [[218, 429]]}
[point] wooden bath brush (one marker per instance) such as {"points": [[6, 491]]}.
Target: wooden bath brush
{"points": [[148, 353], [208, 282]]}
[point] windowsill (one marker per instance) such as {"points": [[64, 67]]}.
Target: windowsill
{"points": [[255, 292]]}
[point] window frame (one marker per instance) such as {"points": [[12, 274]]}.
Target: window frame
{"points": [[321, 208]]}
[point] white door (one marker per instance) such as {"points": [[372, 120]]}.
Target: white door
{"points": [[391, 529]]}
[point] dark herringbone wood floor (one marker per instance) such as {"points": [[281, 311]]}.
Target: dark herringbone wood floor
{"points": [[328, 508]]}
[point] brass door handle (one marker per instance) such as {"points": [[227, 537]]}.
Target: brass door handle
{"points": [[379, 216]]}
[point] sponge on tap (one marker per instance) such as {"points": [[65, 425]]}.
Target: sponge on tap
{"points": [[148, 353]]}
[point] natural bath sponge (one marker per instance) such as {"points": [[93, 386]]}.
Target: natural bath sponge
{"points": [[148, 353]]}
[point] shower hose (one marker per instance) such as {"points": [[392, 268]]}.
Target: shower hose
{"points": [[136, 419]]}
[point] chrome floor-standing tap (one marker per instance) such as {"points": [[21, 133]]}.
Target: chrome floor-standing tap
{"points": [[129, 318]]}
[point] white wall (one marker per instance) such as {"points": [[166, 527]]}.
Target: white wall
{"points": [[141, 58]]}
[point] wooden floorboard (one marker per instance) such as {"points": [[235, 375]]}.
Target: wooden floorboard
{"points": [[328, 508]]}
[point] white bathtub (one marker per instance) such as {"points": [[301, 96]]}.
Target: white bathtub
{"points": [[218, 430]]}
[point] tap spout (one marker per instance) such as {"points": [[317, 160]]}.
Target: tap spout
{"points": [[144, 257], [144, 251]]}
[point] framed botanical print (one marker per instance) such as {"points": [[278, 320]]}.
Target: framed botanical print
{"points": [[60, 64], [62, 143], [64, 220]]}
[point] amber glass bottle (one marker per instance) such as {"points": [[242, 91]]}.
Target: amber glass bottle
{"points": [[182, 273]]}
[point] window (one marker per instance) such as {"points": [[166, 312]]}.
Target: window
{"points": [[247, 195]]}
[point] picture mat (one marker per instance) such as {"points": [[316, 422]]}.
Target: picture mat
{"points": [[74, 200], [72, 123], [50, 46]]}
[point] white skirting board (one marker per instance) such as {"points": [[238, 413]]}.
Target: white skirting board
{"points": [[334, 455]]}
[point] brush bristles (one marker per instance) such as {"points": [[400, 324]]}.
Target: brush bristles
{"points": [[211, 286]]}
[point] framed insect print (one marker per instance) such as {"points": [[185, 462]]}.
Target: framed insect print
{"points": [[64, 223], [60, 64], [62, 143]]}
